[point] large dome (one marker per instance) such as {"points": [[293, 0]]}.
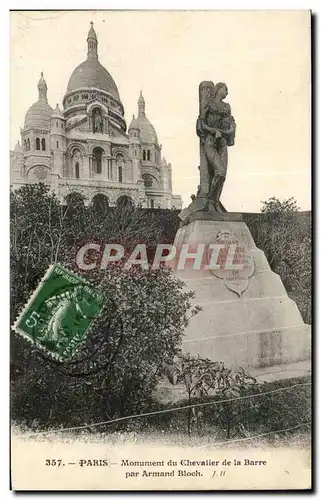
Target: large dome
{"points": [[91, 74], [39, 114]]}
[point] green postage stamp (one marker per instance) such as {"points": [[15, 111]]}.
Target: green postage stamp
{"points": [[59, 312]]}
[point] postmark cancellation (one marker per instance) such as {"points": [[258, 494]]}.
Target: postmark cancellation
{"points": [[59, 313]]}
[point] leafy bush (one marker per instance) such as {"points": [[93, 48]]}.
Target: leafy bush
{"points": [[286, 240], [203, 377], [140, 326], [240, 418]]}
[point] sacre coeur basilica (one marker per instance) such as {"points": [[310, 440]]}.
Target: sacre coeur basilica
{"points": [[85, 148]]}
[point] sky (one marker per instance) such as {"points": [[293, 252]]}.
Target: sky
{"points": [[262, 56]]}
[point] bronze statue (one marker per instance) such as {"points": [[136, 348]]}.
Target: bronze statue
{"points": [[216, 129]]}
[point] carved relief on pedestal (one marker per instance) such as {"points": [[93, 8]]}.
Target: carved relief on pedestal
{"points": [[233, 253]]}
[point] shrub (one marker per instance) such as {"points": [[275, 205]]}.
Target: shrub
{"points": [[140, 326]]}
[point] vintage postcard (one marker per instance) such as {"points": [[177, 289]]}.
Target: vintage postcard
{"points": [[160, 166]]}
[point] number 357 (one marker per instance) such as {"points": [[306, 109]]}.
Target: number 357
{"points": [[54, 462]]}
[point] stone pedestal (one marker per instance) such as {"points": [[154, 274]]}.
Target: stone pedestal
{"points": [[261, 327]]}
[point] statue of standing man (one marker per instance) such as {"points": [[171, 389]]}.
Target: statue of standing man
{"points": [[98, 122], [216, 129]]}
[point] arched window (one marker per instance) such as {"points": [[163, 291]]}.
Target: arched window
{"points": [[28, 144], [125, 201], [100, 202], [144, 154], [76, 162], [25, 144], [57, 124], [77, 169], [120, 173], [75, 200], [152, 204], [38, 143], [97, 160], [57, 144], [43, 144], [148, 155], [99, 169], [120, 166]]}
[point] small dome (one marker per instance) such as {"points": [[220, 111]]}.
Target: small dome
{"points": [[133, 124], [39, 114], [18, 148], [147, 130], [57, 113]]}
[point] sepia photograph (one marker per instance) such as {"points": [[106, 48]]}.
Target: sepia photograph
{"points": [[160, 250]]}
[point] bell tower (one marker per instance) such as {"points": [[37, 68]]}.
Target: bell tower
{"points": [[92, 43], [141, 105]]}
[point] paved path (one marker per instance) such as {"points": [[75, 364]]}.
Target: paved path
{"points": [[282, 372]]}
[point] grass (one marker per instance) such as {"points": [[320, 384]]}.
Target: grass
{"points": [[238, 422]]}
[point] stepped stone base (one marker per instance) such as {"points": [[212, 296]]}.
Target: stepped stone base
{"points": [[255, 349], [262, 327]]}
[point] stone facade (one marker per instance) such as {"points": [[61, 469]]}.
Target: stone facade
{"points": [[86, 149]]}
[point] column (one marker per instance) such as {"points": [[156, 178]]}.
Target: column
{"points": [[104, 167], [106, 127], [90, 166], [86, 167], [129, 170], [109, 170], [114, 170], [63, 166], [68, 165]]}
